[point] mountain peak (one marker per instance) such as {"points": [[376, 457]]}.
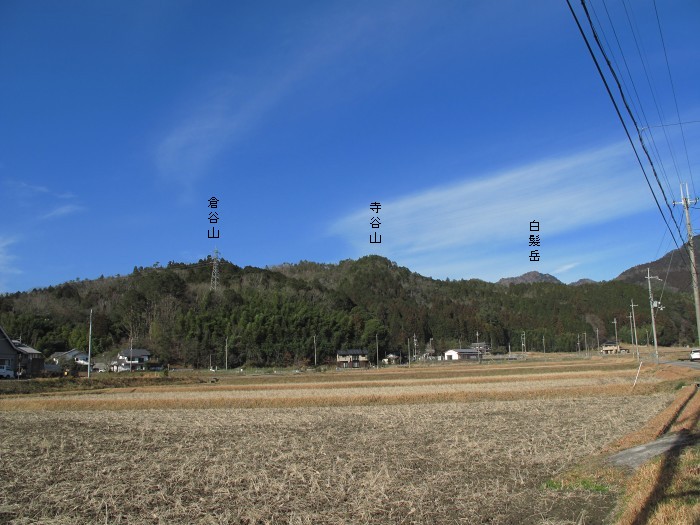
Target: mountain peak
{"points": [[530, 277]]}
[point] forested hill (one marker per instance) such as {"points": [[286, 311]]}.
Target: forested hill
{"points": [[674, 268], [270, 316]]}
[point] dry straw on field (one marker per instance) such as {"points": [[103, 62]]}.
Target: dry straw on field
{"points": [[481, 462]]}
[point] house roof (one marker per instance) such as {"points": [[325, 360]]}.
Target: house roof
{"points": [[70, 354], [464, 350], [24, 349], [4, 335], [352, 351], [136, 352]]}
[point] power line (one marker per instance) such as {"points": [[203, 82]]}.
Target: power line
{"points": [[622, 120], [675, 99]]}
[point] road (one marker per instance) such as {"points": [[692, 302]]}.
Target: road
{"points": [[688, 364]]}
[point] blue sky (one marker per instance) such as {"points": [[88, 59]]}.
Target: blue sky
{"points": [[465, 119]]}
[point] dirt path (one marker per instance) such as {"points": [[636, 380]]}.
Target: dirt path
{"points": [[636, 456]]}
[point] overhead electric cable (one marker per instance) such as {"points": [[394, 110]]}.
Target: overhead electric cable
{"points": [[629, 112], [641, 114], [622, 121], [635, 30], [675, 99]]}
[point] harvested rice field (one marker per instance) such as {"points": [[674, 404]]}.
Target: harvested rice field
{"points": [[454, 444]]}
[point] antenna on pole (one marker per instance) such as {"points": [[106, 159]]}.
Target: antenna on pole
{"points": [[686, 202], [215, 271]]}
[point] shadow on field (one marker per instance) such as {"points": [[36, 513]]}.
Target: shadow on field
{"points": [[669, 468]]}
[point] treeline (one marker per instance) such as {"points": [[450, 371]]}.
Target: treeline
{"points": [[270, 316]]}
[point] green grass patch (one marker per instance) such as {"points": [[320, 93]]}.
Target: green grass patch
{"points": [[574, 485]]}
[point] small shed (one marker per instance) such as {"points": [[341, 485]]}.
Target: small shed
{"points": [[462, 353], [353, 358]]}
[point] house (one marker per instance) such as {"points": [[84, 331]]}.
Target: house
{"points": [[100, 366], [31, 361], [610, 347], [353, 358], [131, 359], [483, 347], [20, 359], [8, 353], [391, 359], [69, 358], [463, 353]]}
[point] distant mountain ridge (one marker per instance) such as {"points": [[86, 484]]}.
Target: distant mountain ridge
{"points": [[530, 277], [675, 263]]}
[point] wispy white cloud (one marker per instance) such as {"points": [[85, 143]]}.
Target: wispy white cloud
{"points": [[566, 267], [221, 116], [474, 227], [8, 266], [62, 211], [36, 196]]}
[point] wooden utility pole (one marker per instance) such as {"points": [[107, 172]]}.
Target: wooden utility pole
{"points": [[376, 338]]}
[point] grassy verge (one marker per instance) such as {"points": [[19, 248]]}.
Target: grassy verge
{"points": [[65, 384], [665, 491]]}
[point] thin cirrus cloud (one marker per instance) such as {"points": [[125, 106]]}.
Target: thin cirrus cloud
{"points": [[62, 211], [7, 264], [431, 231], [218, 118]]}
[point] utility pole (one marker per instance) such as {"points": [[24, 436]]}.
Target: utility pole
{"points": [[544, 349], [597, 339], [653, 304], [90, 345], [585, 341], [578, 343], [226, 354], [634, 324], [408, 346], [629, 316], [215, 271], [376, 338], [685, 200], [415, 346], [615, 323], [314, 349]]}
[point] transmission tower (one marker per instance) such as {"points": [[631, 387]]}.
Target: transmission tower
{"points": [[215, 271]]}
